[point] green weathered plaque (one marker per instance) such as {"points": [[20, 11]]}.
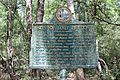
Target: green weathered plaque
{"points": [[60, 45]]}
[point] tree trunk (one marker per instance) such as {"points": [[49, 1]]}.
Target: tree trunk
{"points": [[29, 20], [9, 29], [9, 35], [40, 11], [10, 21], [95, 8], [79, 10]]}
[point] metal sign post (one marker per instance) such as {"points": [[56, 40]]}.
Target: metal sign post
{"points": [[63, 74]]}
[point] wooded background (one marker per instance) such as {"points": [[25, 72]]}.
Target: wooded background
{"points": [[17, 17]]}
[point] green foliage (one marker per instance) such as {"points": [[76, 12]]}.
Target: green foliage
{"points": [[108, 35], [109, 48]]}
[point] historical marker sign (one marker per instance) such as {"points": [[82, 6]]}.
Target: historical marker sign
{"points": [[56, 46]]}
